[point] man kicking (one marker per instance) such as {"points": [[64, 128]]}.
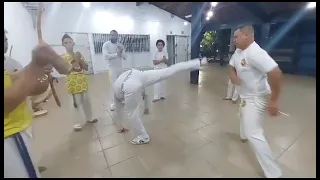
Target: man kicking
{"points": [[254, 72], [129, 86]]}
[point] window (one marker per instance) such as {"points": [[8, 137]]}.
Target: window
{"points": [[131, 42]]}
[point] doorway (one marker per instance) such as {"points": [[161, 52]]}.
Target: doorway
{"points": [[177, 48]]}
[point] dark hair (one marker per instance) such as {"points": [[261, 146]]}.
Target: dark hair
{"points": [[160, 41], [113, 31], [65, 36], [247, 26]]}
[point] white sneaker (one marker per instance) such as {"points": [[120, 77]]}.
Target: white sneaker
{"points": [[112, 107], [140, 140], [77, 127]]}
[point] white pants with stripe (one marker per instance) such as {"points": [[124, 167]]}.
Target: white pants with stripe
{"points": [[251, 128], [13, 163]]}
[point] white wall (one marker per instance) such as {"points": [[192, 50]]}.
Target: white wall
{"points": [[73, 17], [125, 17], [21, 34]]}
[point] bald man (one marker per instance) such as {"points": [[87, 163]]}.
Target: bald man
{"points": [[258, 80]]}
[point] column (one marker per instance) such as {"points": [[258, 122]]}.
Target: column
{"points": [[196, 34]]}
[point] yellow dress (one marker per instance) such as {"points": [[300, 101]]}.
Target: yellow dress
{"points": [[20, 118], [77, 82]]}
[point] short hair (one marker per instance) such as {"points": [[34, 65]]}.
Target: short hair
{"points": [[160, 41], [113, 31], [247, 28], [65, 36]]}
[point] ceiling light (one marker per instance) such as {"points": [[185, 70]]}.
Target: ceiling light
{"points": [[86, 4], [207, 18], [311, 5], [210, 14], [214, 4], [185, 23]]}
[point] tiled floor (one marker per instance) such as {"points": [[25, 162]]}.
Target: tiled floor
{"points": [[193, 134]]}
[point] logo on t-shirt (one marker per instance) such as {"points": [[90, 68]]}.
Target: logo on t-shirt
{"points": [[243, 62]]}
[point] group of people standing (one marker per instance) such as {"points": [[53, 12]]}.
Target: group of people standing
{"points": [[256, 75]]}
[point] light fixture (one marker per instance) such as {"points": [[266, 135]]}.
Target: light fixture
{"points": [[311, 5], [214, 4], [86, 4], [210, 14], [207, 18], [188, 16], [185, 23]]}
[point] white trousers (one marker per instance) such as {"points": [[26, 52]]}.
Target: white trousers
{"points": [[130, 86], [159, 88], [113, 75], [14, 166], [232, 88], [83, 112], [251, 122]]}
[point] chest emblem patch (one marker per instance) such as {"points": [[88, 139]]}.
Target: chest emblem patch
{"points": [[243, 62]]}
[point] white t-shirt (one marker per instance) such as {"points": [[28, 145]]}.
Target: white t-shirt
{"points": [[252, 66], [159, 56], [109, 51]]}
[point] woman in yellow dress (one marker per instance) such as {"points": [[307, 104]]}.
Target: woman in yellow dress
{"points": [[77, 85]]}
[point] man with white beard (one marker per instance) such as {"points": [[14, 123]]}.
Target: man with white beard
{"points": [[129, 86], [258, 78], [113, 52]]}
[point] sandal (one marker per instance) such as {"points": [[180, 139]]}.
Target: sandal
{"points": [[140, 140], [93, 121]]}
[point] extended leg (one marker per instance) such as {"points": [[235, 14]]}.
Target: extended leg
{"points": [[153, 76]]}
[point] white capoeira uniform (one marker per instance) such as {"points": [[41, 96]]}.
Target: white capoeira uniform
{"points": [[159, 88], [14, 165], [131, 83], [109, 51], [251, 65]]}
